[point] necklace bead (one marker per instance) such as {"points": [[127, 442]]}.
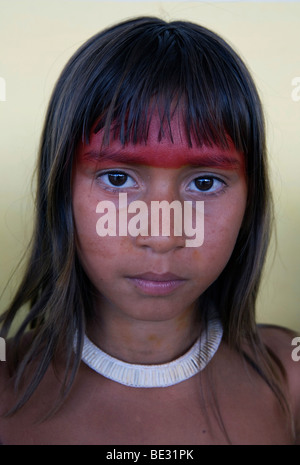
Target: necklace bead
{"points": [[162, 375]]}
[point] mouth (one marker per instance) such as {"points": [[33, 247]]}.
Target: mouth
{"points": [[155, 284]]}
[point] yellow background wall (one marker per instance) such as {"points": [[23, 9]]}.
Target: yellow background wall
{"points": [[38, 36]]}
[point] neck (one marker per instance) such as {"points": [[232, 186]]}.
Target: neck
{"points": [[159, 375], [144, 342]]}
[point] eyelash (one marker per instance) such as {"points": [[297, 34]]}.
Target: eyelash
{"points": [[212, 178], [111, 187], [209, 177]]}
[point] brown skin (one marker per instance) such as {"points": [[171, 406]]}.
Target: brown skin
{"points": [[139, 327], [99, 411]]}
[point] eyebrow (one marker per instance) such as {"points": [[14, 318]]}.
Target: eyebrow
{"points": [[213, 159]]}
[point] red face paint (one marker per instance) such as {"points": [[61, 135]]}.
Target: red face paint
{"points": [[164, 158], [161, 154]]}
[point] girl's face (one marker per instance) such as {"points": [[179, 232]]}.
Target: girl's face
{"points": [[155, 277]]}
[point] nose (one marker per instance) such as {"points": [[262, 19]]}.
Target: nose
{"points": [[165, 227], [160, 244]]}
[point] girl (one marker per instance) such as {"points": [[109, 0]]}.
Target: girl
{"points": [[133, 337]]}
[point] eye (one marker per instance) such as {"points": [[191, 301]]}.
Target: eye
{"points": [[207, 184], [117, 179]]}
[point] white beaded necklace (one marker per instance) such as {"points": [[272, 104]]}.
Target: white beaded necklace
{"points": [[151, 376]]}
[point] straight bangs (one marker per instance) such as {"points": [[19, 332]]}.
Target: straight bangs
{"points": [[173, 69]]}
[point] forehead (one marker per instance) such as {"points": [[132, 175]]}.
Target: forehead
{"points": [[165, 148]]}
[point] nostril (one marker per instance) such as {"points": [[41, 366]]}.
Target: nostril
{"points": [[161, 244]]}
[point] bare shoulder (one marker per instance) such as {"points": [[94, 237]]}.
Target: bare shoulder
{"points": [[5, 387], [285, 344], [7, 381]]}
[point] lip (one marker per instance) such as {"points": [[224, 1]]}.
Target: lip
{"points": [[155, 284]]}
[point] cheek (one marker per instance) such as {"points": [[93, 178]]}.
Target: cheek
{"points": [[91, 247], [221, 229], [87, 240], [99, 256]]}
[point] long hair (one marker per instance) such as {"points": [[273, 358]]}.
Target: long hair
{"points": [[114, 82]]}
